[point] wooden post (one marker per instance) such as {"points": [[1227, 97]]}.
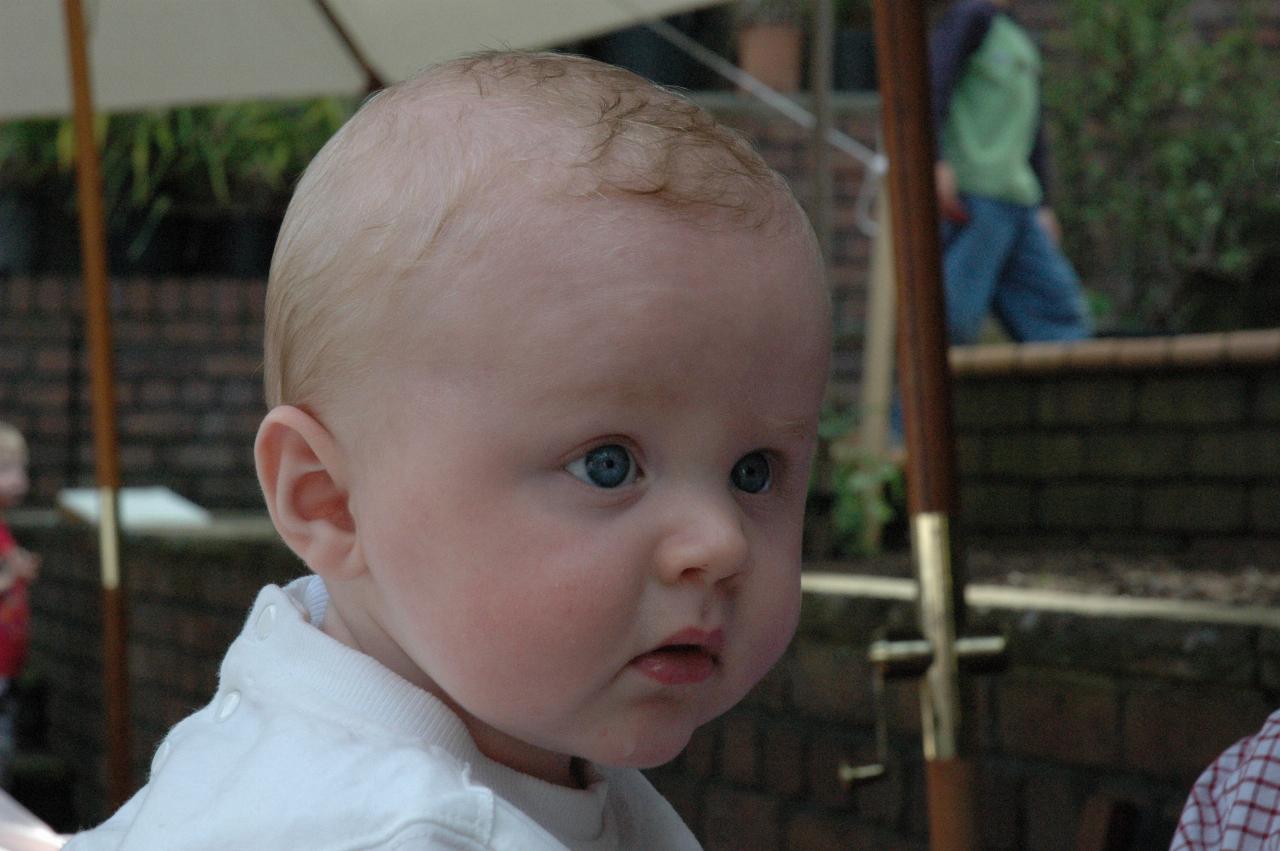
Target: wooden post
{"points": [[97, 300], [924, 381]]}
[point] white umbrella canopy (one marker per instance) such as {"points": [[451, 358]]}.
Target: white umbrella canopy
{"points": [[156, 53]]}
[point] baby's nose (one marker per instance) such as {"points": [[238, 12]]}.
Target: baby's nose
{"points": [[705, 544]]}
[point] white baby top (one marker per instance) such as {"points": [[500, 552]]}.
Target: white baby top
{"points": [[311, 745]]}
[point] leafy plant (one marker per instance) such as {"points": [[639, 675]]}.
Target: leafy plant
{"points": [[771, 11], [859, 489], [1168, 149], [865, 491], [28, 153], [233, 158]]}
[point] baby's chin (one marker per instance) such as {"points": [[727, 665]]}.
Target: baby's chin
{"points": [[648, 746], [651, 752]]}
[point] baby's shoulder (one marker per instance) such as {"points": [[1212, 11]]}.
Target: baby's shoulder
{"points": [[303, 786]]}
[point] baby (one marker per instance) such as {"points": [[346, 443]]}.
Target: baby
{"points": [[545, 349], [18, 568]]}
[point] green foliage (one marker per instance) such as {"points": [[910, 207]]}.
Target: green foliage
{"points": [[1168, 153], [28, 153], [231, 157], [865, 490], [771, 12], [240, 157], [860, 489]]}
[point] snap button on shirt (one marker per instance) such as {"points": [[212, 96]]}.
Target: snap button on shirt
{"points": [[266, 621], [228, 705]]}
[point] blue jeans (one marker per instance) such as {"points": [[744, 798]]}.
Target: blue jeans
{"points": [[1001, 260]]}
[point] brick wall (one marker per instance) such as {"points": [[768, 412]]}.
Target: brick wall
{"points": [[1122, 707], [1133, 707], [1167, 443], [188, 383]]}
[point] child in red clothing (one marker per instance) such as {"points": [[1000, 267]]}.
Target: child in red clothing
{"points": [[18, 567]]}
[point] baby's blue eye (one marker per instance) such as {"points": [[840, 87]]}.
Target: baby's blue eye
{"points": [[607, 466], [751, 473]]}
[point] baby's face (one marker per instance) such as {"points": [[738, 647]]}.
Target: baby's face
{"points": [[583, 524], [13, 480]]}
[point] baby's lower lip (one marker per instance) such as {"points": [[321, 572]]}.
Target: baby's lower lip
{"points": [[676, 666]]}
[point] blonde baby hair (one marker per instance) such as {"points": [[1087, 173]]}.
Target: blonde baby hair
{"points": [[433, 167]]}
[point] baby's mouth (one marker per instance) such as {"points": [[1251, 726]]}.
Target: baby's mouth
{"points": [[687, 658]]}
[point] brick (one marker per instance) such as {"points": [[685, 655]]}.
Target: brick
{"points": [[1088, 506], [771, 691], [1266, 406], [1051, 811], [242, 393], [188, 332], [44, 395], [971, 454], [199, 298], [227, 300], [51, 294], [1264, 509], [684, 793], [1192, 400], [1176, 732], [1069, 719], [54, 362], [197, 392], [814, 830], [1085, 401], [993, 402], [785, 759], [13, 361], [883, 801], [137, 459], [232, 364], [19, 291], [166, 424], [996, 506], [999, 805], [135, 297], [1136, 454], [1240, 454], [740, 821], [831, 681], [157, 392], [700, 755], [170, 297], [831, 747], [1194, 508], [740, 750], [1012, 453]]}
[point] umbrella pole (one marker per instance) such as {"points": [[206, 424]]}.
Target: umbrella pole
{"points": [[98, 332], [924, 378]]}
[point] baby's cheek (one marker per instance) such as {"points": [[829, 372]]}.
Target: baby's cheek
{"points": [[775, 623]]}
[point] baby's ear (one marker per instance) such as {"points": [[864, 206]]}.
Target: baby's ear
{"points": [[300, 468]]}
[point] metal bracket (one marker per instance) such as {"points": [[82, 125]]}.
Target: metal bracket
{"points": [[909, 659]]}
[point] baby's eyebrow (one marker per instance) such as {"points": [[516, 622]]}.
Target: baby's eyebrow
{"points": [[795, 427]]}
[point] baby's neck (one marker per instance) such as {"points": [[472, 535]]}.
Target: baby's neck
{"points": [[560, 769]]}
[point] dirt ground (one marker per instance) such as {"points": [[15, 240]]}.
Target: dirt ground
{"points": [[1220, 577]]}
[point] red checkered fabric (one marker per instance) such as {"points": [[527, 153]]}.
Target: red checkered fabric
{"points": [[1235, 805]]}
